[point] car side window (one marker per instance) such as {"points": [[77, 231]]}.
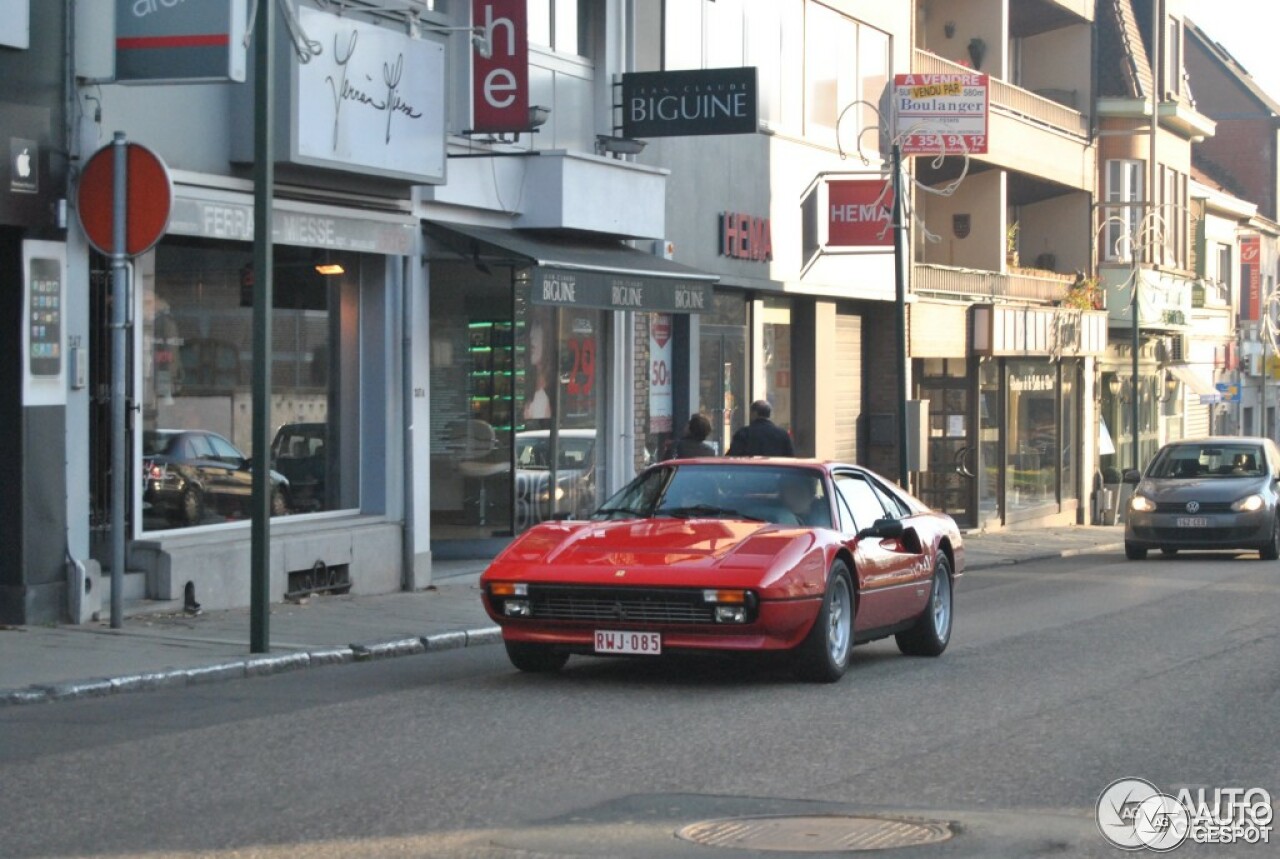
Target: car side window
{"points": [[846, 523], [861, 498], [224, 450], [894, 508], [198, 447]]}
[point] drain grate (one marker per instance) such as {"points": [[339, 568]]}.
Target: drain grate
{"points": [[817, 833]]}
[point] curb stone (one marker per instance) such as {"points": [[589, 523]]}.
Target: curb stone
{"points": [[257, 666]]}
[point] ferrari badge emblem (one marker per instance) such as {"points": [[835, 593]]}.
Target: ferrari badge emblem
{"points": [[620, 573]]}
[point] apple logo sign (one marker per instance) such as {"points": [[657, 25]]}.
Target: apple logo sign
{"points": [[24, 157]]}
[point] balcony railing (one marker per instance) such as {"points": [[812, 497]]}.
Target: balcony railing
{"points": [[1043, 286], [1010, 99]]}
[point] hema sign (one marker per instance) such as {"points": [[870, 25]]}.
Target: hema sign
{"points": [[179, 41], [371, 101], [703, 101]]}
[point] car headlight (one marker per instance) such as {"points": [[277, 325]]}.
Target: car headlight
{"points": [[1141, 504], [1249, 504]]}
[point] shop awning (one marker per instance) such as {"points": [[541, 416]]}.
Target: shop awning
{"points": [[577, 271], [1197, 381]]}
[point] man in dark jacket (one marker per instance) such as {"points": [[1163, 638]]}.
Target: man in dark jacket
{"points": [[761, 437]]}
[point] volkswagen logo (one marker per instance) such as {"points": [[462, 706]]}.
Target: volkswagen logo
{"points": [[1193, 506]]}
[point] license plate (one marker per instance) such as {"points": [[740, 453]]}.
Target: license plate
{"points": [[644, 643], [1193, 522]]}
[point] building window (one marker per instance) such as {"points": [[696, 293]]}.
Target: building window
{"points": [[1123, 215], [1173, 58], [1223, 274], [197, 361], [559, 25]]}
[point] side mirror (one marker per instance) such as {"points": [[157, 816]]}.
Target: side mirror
{"points": [[885, 529], [1132, 477]]}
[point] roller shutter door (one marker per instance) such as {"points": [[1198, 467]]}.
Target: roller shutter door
{"points": [[848, 385]]}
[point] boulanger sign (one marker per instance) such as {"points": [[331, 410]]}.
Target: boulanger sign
{"points": [[179, 41], [941, 112], [698, 102], [372, 100]]}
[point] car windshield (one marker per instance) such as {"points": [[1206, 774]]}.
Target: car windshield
{"points": [[1205, 460], [156, 442], [533, 453], [784, 495]]}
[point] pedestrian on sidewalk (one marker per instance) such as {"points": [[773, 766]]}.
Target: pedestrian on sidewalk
{"points": [[761, 437], [694, 441]]}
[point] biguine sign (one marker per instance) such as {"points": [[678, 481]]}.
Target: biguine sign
{"points": [[698, 102]]}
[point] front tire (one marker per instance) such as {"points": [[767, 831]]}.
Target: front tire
{"points": [[1134, 553], [823, 656], [932, 630], [1271, 551], [535, 658]]}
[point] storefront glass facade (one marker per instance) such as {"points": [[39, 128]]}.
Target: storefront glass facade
{"points": [[723, 392], [518, 394], [196, 381]]}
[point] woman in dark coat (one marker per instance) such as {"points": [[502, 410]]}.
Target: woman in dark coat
{"points": [[694, 441]]}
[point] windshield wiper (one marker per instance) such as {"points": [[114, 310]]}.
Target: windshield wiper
{"points": [[701, 510], [609, 511]]}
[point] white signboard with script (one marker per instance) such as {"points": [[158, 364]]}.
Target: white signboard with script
{"points": [[371, 101]]}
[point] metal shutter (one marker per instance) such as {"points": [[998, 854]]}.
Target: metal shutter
{"points": [[848, 385]]}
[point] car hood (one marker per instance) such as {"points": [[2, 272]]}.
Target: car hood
{"points": [[1205, 489], [647, 550]]}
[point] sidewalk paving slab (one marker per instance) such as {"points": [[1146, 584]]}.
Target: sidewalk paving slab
{"points": [[169, 649]]}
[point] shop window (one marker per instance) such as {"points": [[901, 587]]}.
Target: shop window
{"points": [[775, 358], [1033, 445], [722, 374], [196, 403]]}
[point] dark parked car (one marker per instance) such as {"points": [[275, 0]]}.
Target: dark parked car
{"points": [[1210, 493], [189, 473], [298, 452]]}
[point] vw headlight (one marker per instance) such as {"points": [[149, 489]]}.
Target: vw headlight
{"points": [[1141, 504], [1249, 504]]}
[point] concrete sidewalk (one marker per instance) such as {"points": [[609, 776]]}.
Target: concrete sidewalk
{"points": [[151, 651]]}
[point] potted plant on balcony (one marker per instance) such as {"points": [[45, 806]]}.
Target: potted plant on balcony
{"points": [[1084, 294], [1011, 245]]}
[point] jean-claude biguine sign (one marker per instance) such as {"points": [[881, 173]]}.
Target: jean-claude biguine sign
{"points": [[689, 103]]}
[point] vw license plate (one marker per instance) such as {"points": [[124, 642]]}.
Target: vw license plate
{"points": [[644, 643], [1193, 522]]}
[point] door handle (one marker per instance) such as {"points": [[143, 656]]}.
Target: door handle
{"points": [[962, 461]]}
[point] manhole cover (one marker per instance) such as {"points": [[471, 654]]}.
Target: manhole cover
{"points": [[817, 833]]}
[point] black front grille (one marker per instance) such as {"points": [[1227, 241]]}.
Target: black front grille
{"points": [[1205, 507], [620, 605]]}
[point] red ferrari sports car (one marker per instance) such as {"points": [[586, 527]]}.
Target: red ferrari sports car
{"points": [[732, 555]]}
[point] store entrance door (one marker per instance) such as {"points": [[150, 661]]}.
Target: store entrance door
{"points": [[950, 482]]}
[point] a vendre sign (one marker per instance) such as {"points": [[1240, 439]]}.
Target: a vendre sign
{"points": [[500, 82]]}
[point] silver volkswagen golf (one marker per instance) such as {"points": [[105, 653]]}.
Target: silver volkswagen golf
{"points": [[1210, 493]]}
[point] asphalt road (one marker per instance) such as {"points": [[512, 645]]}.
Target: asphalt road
{"points": [[1062, 677]]}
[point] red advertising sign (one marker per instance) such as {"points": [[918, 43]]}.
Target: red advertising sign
{"points": [[859, 213], [500, 82], [1250, 277]]}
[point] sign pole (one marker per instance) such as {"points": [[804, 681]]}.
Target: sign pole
{"points": [[119, 376], [263, 264], [900, 262]]}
